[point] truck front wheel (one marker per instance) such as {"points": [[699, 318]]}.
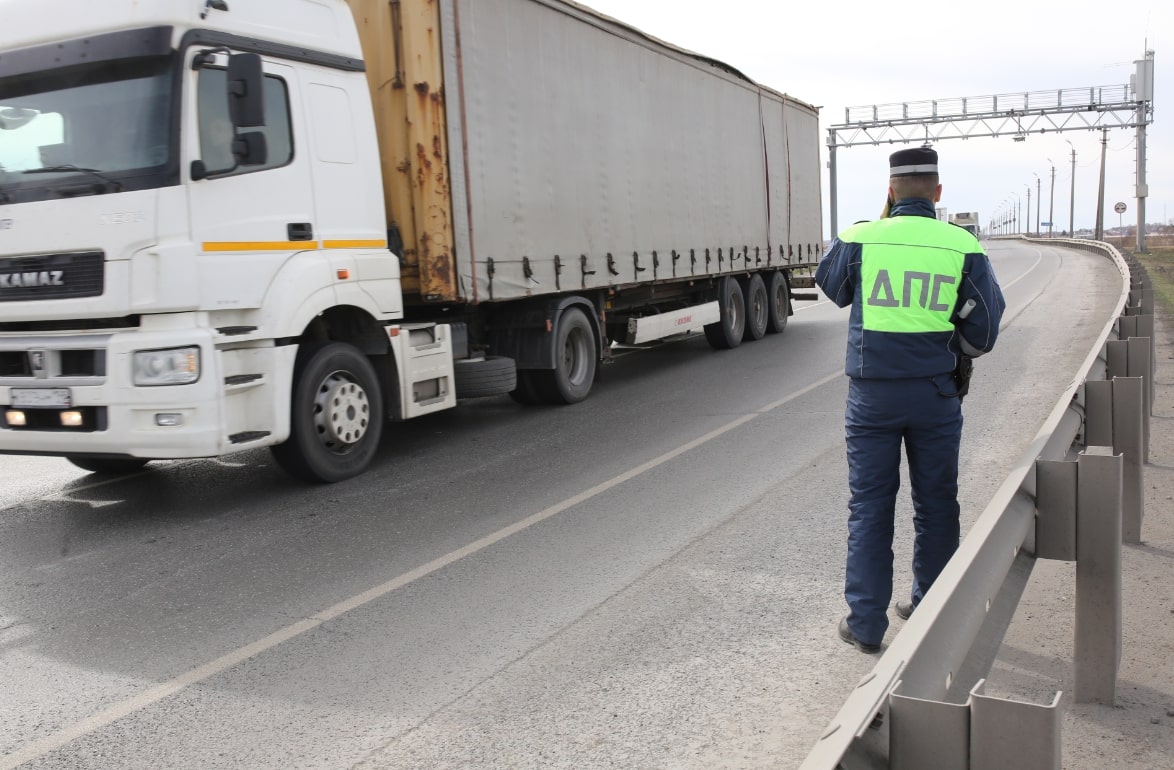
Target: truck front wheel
{"points": [[336, 414]]}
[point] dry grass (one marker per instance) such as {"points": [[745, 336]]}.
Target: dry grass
{"points": [[1158, 260], [1159, 265]]}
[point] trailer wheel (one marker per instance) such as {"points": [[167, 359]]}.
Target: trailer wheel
{"points": [[336, 414], [575, 357], [727, 332], [107, 466], [484, 376], [778, 295], [757, 307]]}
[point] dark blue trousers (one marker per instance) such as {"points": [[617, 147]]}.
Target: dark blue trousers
{"points": [[880, 416]]}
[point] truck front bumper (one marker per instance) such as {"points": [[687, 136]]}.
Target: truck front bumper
{"points": [[75, 395]]}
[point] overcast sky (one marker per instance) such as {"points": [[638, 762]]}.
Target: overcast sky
{"points": [[844, 54]]}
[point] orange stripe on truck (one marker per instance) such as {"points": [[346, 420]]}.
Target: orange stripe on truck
{"points": [[292, 245]]}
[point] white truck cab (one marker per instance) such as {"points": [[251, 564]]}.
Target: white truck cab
{"points": [[181, 199]]}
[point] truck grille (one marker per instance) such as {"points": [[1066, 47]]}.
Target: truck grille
{"points": [[52, 363], [52, 276]]}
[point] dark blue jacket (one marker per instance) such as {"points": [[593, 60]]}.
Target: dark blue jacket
{"points": [[904, 354]]}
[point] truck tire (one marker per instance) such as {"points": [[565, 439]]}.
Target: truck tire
{"points": [[778, 295], [727, 332], [757, 308], [484, 376], [575, 358], [336, 414], [107, 466]]}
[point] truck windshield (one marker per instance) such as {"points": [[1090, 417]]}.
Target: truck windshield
{"points": [[96, 128]]}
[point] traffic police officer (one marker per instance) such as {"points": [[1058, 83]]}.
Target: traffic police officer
{"points": [[924, 301]]}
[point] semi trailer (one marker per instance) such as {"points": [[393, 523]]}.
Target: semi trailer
{"points": [[232, 224]]}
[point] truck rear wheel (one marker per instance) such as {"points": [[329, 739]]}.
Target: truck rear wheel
{"points": [[757, 307], [336, 414], [575, 358], [107, 466], [727, 332], [778, 295]]}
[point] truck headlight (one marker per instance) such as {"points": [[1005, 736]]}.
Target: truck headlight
{"points": [[177, 366]]}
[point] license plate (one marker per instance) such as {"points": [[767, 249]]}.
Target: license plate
{"points": [[40, 397]]}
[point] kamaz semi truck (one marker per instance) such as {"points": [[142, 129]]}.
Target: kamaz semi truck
{"points": [[231, 224], [968, 221]]}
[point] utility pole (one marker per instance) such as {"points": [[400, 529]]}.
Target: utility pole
{"points": [[1144, 94], [1028, 220], [1038, 200], [1072, 195], [1100, 233]]}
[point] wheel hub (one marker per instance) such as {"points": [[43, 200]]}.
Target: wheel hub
{"points": [[342, 413]]}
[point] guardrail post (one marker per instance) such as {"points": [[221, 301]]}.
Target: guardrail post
{"points": [[1098, 575], [1131, 358], [1129, 441], [1005, 733], [1142, 326], [1140, 364], [927, 733], [1078, 516], [1114, 415], [1055, 505], [985, 733]]}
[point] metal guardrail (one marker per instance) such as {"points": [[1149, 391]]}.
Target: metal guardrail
{"points": [[923, 705]]}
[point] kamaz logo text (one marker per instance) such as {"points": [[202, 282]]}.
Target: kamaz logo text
{"points": [[32, 279], [929, 288], [122, 218]]}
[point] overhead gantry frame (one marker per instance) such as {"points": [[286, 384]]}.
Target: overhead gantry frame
{"points": [[1002, 115]]}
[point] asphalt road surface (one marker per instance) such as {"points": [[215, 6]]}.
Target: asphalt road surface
{"points": [[649, 579]]}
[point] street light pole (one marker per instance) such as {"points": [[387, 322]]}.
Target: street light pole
{"points": [[1100, 233], [1052, 199], [1028, 187], [1072, 195], [1038, 200]]}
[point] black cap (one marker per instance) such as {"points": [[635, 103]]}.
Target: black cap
{"points": [[918, 160]]}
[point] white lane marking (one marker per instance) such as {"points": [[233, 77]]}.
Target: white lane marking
{"points": [[817, 303], [1039, 257], [1010, 316], [113, 713]]}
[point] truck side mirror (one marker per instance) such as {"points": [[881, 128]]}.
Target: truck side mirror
{"points": [[246, 103], [250, 149]]}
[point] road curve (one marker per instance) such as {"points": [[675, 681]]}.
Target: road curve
{"points": [[648, 579]]}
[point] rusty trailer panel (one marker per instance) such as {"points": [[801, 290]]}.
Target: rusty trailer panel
{"points": [[401, 46], [535, 147]]}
